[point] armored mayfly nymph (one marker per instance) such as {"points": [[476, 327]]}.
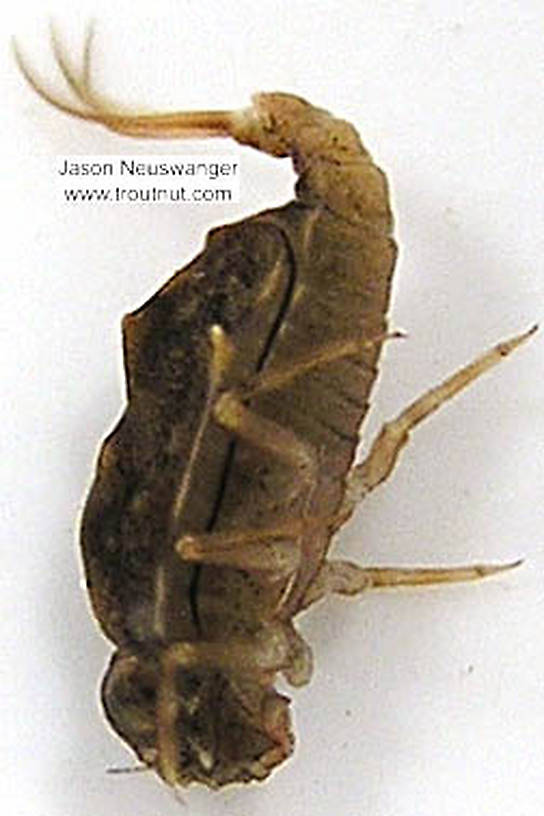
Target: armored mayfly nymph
{"points": [[219, 492]]}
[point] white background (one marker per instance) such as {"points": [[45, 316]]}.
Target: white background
{"points": [[423, 702]]}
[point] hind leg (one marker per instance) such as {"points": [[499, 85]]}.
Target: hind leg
{"points": [[346, 578], [394, 435]]}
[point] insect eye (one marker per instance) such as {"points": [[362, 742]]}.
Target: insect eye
{"points": [[129, 695]]}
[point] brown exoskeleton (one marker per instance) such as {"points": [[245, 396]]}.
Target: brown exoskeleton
{"points": [[218, 493]]}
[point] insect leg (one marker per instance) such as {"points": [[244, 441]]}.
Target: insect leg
{"points": [[271, 437], [267, 550], [394, 435], [230, 412], [273, 379], [346, 578]]}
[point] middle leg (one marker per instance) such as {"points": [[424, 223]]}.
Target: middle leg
{"points": [[346, 578]]}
